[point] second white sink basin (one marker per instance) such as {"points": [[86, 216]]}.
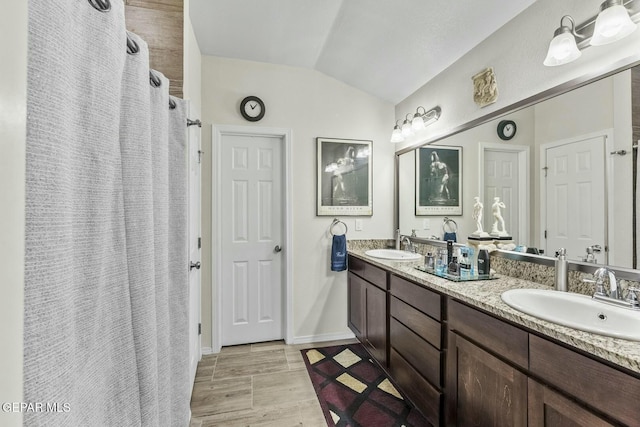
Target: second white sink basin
{"points": [[393, 254], [576, 311]]}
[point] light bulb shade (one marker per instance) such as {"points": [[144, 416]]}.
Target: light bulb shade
{"points": [[396, 135], [612, 24], [417, 123], [562, 49], [407, 131]]}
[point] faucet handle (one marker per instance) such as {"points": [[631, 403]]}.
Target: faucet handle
{"points": [[633, 296], [598, 285]]}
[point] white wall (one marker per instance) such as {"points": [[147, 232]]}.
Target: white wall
{"points": [[13, 105], [192, 85], [312, 105], [515, 52]]}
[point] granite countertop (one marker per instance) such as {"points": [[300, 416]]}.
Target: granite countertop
{"points": [[486, 296]]}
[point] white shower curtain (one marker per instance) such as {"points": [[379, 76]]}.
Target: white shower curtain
{"points": [[106, 267]]}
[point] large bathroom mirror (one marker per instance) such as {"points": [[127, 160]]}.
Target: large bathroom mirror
{"points": [[566, 177]]}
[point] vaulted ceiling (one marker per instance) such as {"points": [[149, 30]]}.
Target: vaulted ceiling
{"points": [[383, 47]]}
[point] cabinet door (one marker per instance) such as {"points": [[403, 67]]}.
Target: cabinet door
{"points": [[483, 390], [550, 409], [357, 304], [376, 322]]}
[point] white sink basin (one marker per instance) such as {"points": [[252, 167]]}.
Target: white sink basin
{"points": [[393, 254], [576, 311]]}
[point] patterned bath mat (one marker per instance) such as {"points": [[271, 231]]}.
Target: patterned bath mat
{"points": [[354, 392]]}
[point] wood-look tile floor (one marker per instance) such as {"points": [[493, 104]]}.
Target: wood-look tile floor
{"points": [[263, 384]]}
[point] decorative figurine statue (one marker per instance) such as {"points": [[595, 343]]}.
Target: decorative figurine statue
{"points": [[478, 207], [498, 223]]}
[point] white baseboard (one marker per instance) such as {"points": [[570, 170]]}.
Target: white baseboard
{"points": [[321, 338], [305, 340]]}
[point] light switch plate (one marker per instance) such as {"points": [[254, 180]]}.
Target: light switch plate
{"points": [[358, 225], [426, 224]]}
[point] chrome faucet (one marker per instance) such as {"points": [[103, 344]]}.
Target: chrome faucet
{"points": [[398, 237], [614, 294], [591, 254], [408, 244], [600, 275]]}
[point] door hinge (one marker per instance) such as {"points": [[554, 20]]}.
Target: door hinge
{"points": [[200, 153], [199, 242], [545, 169], [199, 328], [545, 234]]}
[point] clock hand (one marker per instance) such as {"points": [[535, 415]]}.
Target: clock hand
{"points": [[253, 106]]}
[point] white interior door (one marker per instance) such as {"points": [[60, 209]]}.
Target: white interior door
{"points": [[194, 249], [505, 173], [501, 179], [575, 197], [251, 239]]}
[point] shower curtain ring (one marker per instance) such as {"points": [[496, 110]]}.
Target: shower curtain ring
{"points": [[132, 46], [154, 80], [172, 104], [101, 5]]}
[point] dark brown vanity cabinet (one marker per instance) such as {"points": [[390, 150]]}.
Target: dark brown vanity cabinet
{"points": [[367, 302], [481, 388], [548, 408], [499, 374], [462, 366], [416, 360]]}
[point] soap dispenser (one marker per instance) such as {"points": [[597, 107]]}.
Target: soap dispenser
{"points": [[562, 271]]}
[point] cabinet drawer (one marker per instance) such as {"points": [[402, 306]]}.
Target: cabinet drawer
{"points": [[596, 384], [423, 357], [373, 274], [421, 298], [507, 341], [426, 398], [424, 326]]}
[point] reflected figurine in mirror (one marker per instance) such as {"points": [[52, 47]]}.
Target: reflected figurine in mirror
{"points": [[498, 223], [478, 208]]}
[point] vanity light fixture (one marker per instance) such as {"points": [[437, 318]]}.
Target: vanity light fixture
{"points": [[563, 48], [614, 22], [421, 120], [407, 129], [414, 123], [396, 135]]}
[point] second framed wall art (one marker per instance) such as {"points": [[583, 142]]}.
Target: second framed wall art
{"points": [[439, 180]]}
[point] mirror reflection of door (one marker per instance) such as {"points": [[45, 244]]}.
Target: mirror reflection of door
{"points": [[501, 180], [505, 174], [574, 196]]}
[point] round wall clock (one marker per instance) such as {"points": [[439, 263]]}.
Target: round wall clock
{"points": [[506, 129], [252, 108]]}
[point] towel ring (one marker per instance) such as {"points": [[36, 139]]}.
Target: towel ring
{"points": [[447, 222], [335, 222]]}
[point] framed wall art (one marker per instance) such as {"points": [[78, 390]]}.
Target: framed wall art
{"points": [[438, 180], [345, 177]]}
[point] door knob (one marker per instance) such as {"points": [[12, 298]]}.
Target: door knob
{"points": [[277, 248], [195, 265]]}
